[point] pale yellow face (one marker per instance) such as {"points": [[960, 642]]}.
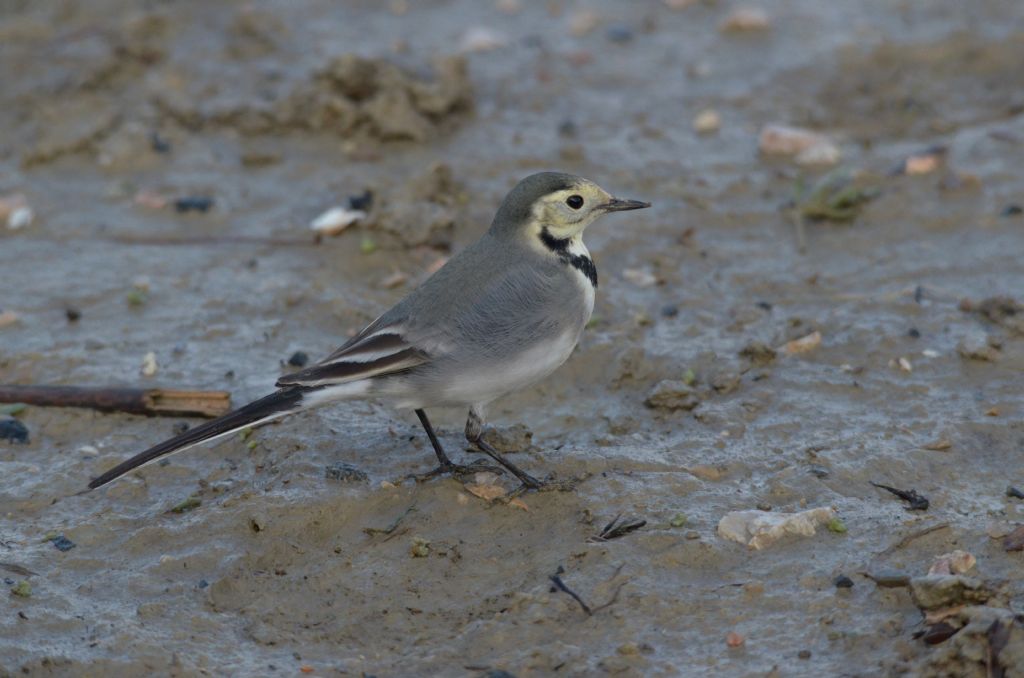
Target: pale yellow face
{"points": [[567, 212]]}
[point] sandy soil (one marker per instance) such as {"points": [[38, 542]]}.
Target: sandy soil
{"points": [[109, 108]]}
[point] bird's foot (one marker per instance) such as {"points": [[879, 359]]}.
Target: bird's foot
{"points": [[457, 471], [529, 483]]}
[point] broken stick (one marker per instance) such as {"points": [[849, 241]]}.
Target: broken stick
{"points": [[150, 401]]}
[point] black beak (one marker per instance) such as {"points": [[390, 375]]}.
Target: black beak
{"points": [[616, 205]]}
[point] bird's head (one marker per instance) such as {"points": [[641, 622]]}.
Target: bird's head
{"points": [[556, 205]]}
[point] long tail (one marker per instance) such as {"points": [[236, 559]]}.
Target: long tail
{"points": [[275, 405]]}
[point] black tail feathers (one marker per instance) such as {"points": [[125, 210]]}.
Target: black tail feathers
{"points": [[274, 405]]}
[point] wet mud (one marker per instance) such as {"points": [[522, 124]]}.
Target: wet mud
{"points": [[699, 389]]}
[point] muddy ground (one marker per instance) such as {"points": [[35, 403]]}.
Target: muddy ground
{"points": [[111, 109]]}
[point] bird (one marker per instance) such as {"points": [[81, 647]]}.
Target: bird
{"points": [[500, 315]]}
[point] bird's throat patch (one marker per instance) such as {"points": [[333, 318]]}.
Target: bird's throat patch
{"points": [[580, 262]]}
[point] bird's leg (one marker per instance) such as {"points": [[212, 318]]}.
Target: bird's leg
{"points": [[446, 465], [474, 434]]}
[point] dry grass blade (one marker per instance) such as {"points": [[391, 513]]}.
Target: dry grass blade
{"points": [[616, 529]]}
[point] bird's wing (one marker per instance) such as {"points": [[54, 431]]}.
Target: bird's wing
{"points": [[379, 349]]}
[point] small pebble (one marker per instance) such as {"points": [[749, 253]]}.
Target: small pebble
{"points": [[914, 333], [179, 427], [13, 431], [298, 359], [72, 314], [843, 582], [203, 584], [692, 534], [194, 203], [158, 143], [583, 21], [619, 34], [804, 654], [362, 202], [62, 543], [889, 579], [1012, 211], [746, 19], [707, 121], [669, 311], [8, 318], [733, 639], [764, 506]]}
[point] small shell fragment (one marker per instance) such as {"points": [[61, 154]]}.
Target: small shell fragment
{"points": [[15, 211], [336, 220], [803, 344], [785, 140], [481, 39], [149, 366], [639, 277]]}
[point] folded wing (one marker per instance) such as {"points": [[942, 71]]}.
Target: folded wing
{"points": [[373, 352]]}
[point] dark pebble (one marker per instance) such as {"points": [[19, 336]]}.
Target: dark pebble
{"points": [[1012, 211], [1014, 493], [843, 582], [230, 374], [62, 543], [158, 143], [72, 314], [363, 201], [914, 333], [13, 431], [195, 203], [818, 471], [567, 129], [345, 473], [804, 654], [298, 359], [499, 673], [938, 633], [179, 428], [669, 311], [619, 34], [8, 581], [764, 305], [203, 583]]}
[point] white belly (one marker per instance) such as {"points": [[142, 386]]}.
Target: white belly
{"points": [[516, 372]]}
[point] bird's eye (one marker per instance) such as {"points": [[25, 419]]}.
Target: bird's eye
{"points": [[574, 201]]}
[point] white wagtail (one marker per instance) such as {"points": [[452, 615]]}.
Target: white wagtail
{"points": [[502, 314]]}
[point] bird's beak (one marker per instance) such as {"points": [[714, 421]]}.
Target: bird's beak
{"points": [[616, 205]]}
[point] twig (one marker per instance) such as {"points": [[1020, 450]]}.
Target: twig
{"points": [[916, 501], [151, 401], [560, 585], [912, 536], [615, 529], [17, 569], [393, 526]]}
